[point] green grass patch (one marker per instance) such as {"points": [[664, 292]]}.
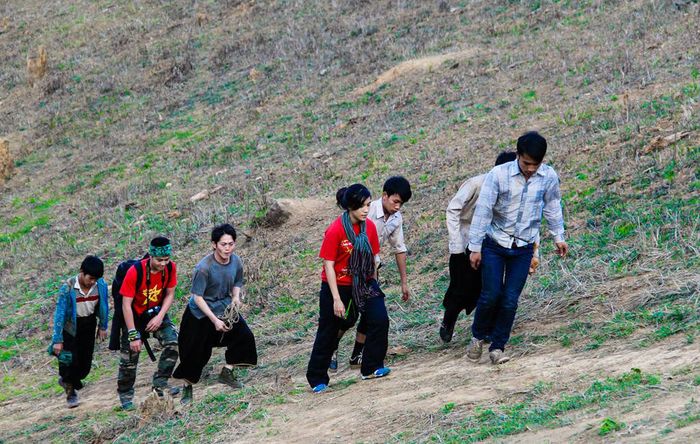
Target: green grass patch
{"points": [[494, 422]]}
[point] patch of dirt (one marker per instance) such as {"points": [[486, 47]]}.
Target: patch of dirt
{"points": [[416, 66]]}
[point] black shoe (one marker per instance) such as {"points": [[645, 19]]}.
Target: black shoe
{"points": [[186, 394], [72, 399], [446, 333], [356, 361], [172, 391], [228, 377]]}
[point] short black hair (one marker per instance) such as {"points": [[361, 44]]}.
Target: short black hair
{"points": [[398, 185], [352, 197], [93, 266], [532, 144], [220, 230], [505, 157], [160, 241]]}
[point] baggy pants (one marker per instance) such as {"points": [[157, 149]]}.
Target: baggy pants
{"points": [[81, 346]]}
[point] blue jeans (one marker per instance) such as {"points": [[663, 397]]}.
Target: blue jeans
{"points": [[503, 275]]}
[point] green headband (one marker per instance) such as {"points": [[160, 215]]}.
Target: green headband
{"points": [[165, 250]]}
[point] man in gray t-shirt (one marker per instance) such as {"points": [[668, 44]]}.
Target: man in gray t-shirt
{"points": [[206, 323]]}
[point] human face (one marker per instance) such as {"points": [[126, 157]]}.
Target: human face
{"points": [[360, 215], [528, 165], [158, 263], [224, 248], [392, 203], [86, 280]]}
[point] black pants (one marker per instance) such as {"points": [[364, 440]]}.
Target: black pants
{"points": [[197, 339], [81, 346], [464, 290], [326, 342]]}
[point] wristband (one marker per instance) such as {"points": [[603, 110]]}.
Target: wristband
{"points": [[134, 335]]}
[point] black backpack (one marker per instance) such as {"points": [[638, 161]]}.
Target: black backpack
{"points": [[119, 275]]}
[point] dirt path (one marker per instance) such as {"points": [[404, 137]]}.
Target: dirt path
{"points": [[373, 411]]}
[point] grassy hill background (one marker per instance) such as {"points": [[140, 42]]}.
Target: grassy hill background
{"points": [[144, 104]]}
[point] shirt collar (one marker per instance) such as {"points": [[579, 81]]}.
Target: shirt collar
{"points": [[514, 169], [77, 286]]}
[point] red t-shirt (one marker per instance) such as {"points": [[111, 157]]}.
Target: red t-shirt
{"points": [[155, 293], [336, 247]]}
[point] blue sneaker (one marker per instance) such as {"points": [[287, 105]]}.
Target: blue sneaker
{"points": [[319, 388], [333, 367], [378, 373]]}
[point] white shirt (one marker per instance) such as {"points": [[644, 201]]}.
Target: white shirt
{"points": [[459, 214], [390, 231], [85, 302]]}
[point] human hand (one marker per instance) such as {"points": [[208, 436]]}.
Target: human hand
{"points": [[562, 248], [475, 260], [101, 334], [154, 324], [405, 292], [220, 325], [135, 346], [338, 308], [237, 302], [57, 348], [534, 263]]}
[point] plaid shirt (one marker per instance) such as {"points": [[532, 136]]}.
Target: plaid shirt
{"points": [[510, 209]]}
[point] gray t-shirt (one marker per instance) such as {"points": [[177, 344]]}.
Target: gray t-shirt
{"points": [[215, 282]]}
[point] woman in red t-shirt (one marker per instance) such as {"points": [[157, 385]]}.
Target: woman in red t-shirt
{"points": [[348, 287]]}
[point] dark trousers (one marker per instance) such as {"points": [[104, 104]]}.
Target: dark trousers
{"points": [[197, 339], [504, 272], [81, 346], [464, 289], [329, 325], [377, 331]]}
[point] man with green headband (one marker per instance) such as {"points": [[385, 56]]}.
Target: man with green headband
{"points": [[146, 313]]}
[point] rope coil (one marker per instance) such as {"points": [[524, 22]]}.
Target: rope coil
{"points": [[231, 315]]}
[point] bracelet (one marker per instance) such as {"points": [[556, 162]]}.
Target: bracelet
{"points": [[134, 335]]}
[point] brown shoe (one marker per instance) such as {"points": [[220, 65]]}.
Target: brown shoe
{"points": [[498, 357], [228, 377], [475, 349]]}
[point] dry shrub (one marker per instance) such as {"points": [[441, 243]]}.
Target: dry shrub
{"points": [[155, 408], [6, 162], [37, 66]]}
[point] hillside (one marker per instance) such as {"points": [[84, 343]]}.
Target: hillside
{"points": [[145, 104]]}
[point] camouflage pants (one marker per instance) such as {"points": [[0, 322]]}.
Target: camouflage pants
{"points": [[128, 361]]}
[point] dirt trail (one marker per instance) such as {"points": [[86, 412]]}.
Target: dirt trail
{"points": [[373, 411]]}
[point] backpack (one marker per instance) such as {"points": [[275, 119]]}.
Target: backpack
{"points": [[119, 275]]}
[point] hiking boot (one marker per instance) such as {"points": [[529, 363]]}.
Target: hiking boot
{"points": [[446, 333], [356, 361], [333, 366], [72, 398], [228, 377], [498, 357], [378, 373], [474, 350], [186, 394], [172, 391], [127, 405], [320, 388]]}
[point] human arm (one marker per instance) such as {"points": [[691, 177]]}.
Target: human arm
{"points": [[59, 318], [134, 345], [483, 215], [338, 306], [219, 325], [553, 214], [155, 323], [401, 264], [465, 198]]}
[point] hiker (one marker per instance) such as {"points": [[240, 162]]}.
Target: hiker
{"points": [[145, 308], [504, 229], [212, 317], [386, 215], [349, 287], [82, 299], [465, 282]]}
